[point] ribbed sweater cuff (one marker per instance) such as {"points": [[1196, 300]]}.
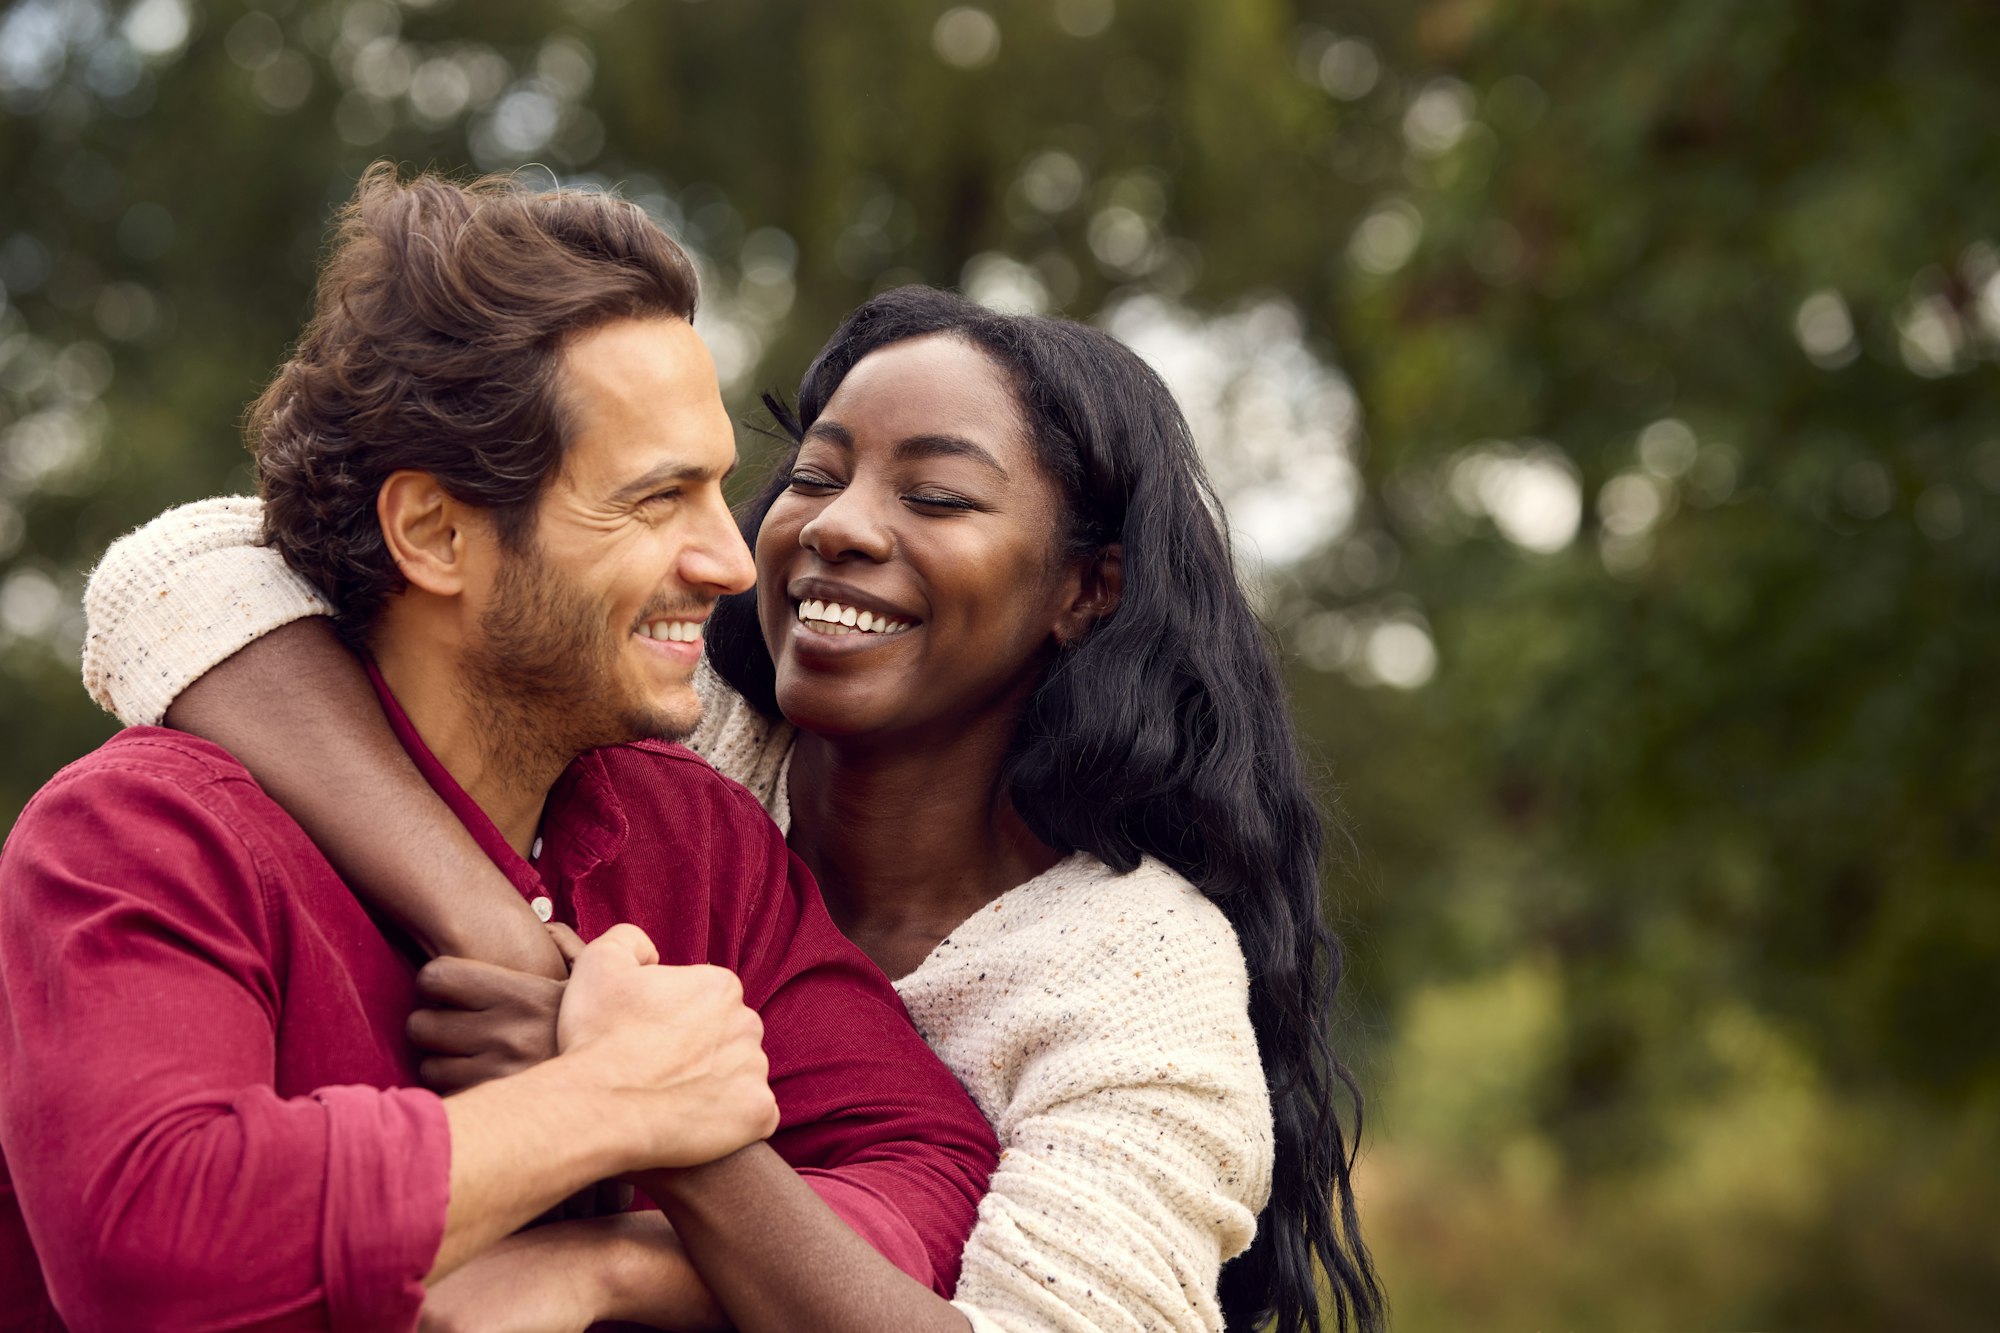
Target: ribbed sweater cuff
{"points": [[171, 600]]}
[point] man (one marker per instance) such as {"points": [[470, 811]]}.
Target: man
{"points": [[500, 446]]}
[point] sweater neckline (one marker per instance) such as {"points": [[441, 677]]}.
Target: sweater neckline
{"points": [[1001, 913]]}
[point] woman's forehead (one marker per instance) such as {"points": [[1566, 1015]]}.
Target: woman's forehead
{"points": [[939, 384]]}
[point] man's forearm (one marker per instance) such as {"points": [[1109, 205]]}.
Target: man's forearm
{"points": [[520, 1145], [777, 1258]]}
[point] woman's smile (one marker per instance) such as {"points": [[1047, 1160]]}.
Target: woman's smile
{"points": [[905, 568], [837, 618]]}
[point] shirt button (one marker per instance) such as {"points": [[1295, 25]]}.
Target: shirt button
{"points": [[535, 850], [544, 909]]}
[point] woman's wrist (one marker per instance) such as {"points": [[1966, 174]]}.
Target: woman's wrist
{"points": [[493, 933]]}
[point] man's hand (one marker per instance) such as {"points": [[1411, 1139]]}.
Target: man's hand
{"points": [[677, 1045]]}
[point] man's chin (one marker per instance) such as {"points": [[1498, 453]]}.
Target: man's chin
{"points": [[665, 721]]}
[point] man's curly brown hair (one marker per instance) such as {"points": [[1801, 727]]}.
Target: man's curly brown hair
{"points": [[435, 345]]}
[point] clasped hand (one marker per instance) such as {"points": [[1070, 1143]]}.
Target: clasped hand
{"points": [[675, 1043], [482, 1021]]}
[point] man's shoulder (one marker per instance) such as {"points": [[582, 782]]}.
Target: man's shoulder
{"points": [[661, 777], [154, 757], [148, 810]]}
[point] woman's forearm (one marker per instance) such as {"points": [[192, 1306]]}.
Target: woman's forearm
{"points": [[297, 710], [777, 1258]]}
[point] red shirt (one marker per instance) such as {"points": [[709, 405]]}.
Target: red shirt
{"points": [[208, 1115]]}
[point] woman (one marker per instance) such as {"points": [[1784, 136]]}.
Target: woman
{"points": [[999, 685]]}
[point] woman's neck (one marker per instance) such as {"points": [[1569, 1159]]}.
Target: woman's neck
{"points": [[908, 839]]}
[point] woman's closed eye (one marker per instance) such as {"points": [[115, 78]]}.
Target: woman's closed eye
{"points": [[938, 500], [810, 482]]}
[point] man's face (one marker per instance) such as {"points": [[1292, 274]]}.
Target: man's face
{"points": [[591, 634]]}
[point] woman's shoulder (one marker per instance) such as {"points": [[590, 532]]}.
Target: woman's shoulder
{"points": [[1096, 947], [1082, 907], [742, 744], [1085, 980]]}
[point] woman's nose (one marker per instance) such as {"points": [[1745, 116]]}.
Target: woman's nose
{"points": [[849, 525]]}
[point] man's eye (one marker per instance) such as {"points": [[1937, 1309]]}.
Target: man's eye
{"points": [[661, 497]]}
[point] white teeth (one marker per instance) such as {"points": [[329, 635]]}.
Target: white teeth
{"points": [[833, 618], [672, 631]]}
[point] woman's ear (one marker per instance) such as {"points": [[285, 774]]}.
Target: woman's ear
{"points": [[1099, 588], [424, 529]]}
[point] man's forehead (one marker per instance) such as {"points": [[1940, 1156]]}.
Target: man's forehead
{"points": [[641, 399], [633, 365]]}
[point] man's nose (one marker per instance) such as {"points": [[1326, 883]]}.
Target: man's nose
{"points": [[717, 558]]}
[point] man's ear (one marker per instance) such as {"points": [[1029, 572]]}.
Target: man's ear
{"points": [[426, 533], [1101, 585]]}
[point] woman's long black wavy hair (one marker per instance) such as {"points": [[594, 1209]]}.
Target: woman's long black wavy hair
{"points": [[1162, 731]]}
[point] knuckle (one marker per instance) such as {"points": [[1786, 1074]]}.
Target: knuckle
{"points": [[717, 981]]}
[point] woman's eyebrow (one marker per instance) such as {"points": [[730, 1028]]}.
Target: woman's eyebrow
{"points": [[948, 446], [914, 447], [832, 432]]}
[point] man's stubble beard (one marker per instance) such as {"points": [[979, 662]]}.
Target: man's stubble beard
{"points": [[543, 678]]}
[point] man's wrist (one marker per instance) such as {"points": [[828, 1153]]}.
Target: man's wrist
{"points": [[604, 1127]]}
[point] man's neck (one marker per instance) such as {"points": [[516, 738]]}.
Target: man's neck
{"points": [[495, 760]]}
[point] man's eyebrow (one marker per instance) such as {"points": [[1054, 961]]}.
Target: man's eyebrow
{"points": [[914, 447], [667, 474]]}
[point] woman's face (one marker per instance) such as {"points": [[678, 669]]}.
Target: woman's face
{"points": [[918, 510]]}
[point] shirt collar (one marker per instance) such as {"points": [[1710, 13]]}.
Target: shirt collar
{"points": [[481, 826]]}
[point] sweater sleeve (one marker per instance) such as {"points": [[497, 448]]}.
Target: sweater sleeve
{"points": [[1137, 1147], [179, 595]]}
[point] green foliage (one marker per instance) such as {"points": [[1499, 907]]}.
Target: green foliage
{"points": [[1672, 334]]}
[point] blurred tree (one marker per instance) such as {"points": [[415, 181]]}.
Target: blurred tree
{"points": [[1609, 387]]}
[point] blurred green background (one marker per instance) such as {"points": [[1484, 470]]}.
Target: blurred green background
{"points": [[1604, 392]]}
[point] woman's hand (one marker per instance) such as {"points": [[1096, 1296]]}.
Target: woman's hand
{"points": [[482, 1021]]}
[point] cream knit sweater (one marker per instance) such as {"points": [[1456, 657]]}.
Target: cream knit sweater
{"points": [[1099, 1020]]}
